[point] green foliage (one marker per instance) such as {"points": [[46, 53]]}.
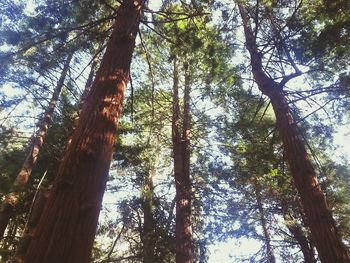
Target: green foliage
{"points": [[197, 41], [237, 156], [11, 155]]}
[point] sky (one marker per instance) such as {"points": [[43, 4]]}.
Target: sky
{"points": [[224, 252]]}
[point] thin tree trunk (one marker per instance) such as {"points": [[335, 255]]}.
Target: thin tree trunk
{"points": [[305, 246], [88, 84], [181, 148], [318, 215], [67, 226], [148, 235], [269, 250], [12, 198]]}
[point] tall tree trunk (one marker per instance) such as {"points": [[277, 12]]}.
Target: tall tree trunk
{"points": [[148, 233], [318, 215], [43, 192], [262, 217], [12, 198], [68, 224], [181, 148], [294, 221], [39, 201]]}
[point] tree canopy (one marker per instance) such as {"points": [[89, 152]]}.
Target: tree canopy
{"points": [[204, 124]]}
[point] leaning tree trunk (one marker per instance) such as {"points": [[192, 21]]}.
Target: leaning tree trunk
{"points": [[181, 148], [68, 224], [318, 215], [42, 194], [88, 84], [12, 198], [294, 221]]}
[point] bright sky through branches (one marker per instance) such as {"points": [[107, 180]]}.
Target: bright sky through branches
{"points": [[221, 251]]}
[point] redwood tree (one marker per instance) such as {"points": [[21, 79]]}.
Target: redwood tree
{"points": [[12, 198], [68, 224], [181, 149], [319, 217]]}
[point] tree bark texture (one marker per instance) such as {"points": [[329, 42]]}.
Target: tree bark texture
{"points": [[12, 198], [43, 193], [68, 224], [181, 148], [295, 222], [33, 219], [318, 215]]}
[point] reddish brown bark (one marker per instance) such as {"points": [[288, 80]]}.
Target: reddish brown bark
{"points": [[68, 224], [39, 202], [181, 148], [33, 219], [12, 198], [318, 215], [295, 222]]}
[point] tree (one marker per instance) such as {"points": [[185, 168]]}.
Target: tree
{"points": [[319, 217], [181, 144], [11, 200], [231, 182], [68, 223]]}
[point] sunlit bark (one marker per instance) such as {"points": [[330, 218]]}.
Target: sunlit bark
{"points": [[318, 215], [68, 224]]}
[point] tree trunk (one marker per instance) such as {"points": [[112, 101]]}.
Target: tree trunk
{"points": [[305, 246], [42, 192], [68, 224], [318, 215], [148, 234], [294, 221], [12, 198], [8, 242], [88, 84], [38, 205], [269, 250], [181, 148]]}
